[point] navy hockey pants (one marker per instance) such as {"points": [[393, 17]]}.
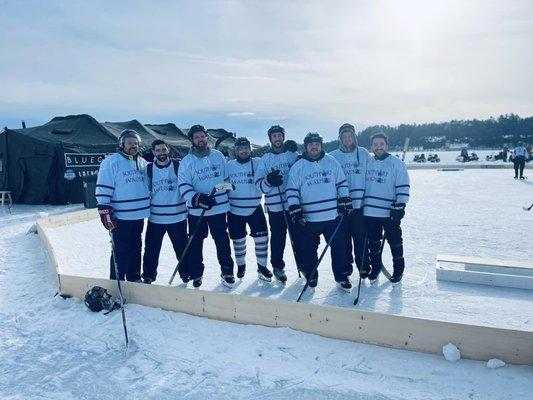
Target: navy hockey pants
{"points": [[393, 234], [278, 237], [128, 243], [354, 232], [519, 164], [311, 238], [219, 232], [256, 221], [153, 240]]}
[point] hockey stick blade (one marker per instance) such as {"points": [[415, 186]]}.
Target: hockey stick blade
{"points": [[527, 208], [224, 186]]}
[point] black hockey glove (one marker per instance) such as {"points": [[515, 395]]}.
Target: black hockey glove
{"points": [[205, 201], [296, 214], [397, 211], [274, 178], [344, 205]]}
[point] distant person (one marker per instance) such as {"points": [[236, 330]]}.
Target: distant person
{"points": [[519, 160], [123, 203], [386, 195], [168, 212], [464, 155]]}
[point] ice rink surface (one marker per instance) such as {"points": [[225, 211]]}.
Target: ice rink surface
{"points": [[475, 213]]}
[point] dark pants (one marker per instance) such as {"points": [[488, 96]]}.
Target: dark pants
{"points": [[218, 227], [355, 235], [256, 221], [311, 238], [393, 234], [152, 245], [278, 237], [127, 250], [519, 164]]}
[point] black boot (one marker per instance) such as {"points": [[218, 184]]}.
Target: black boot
{"points": [[280, 275], [264, 273], [241, 269]]}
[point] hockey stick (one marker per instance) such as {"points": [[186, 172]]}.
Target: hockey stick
{"points": [[356, 300], [121, 298], [289, 231], [405, 147], [384, 270], [528, 208], [321, 257], [218, 187]]}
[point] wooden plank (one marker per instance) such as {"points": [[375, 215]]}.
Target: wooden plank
{"points": [[483, 261], [399, 332], [499, 270], [485, 278], [68, 218]]}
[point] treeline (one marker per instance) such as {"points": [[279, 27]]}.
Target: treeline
{"points": [[493, 133]]}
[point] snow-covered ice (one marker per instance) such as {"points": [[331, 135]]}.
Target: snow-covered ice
{"points": [[56, 348], [451, 352], [495, 363]]}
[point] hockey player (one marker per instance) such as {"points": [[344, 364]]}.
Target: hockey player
{"points": [[123, 203], [353, 160], [245, 203], [168, 213], [272, 180], [316, 191], [519, 160], [386, 194], [199, 172]]}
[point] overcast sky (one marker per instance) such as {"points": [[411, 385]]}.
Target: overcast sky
{"points": [[245, 65]]}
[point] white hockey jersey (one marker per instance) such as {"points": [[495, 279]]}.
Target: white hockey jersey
{"points": [[167, 206], [200, 175], [520, 151], [122, 184], [270, 162], [387, 182], [354, 165], [316, 186], [246, 196]]}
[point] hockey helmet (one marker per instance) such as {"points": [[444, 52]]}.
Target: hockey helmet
{"points": [[241, 142], [98, 299], [194, 129], [312, 137], [276, 129], [128, 133], [290, 145]]}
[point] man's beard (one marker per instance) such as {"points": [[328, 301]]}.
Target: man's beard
{"points": [[131, 151], [162, 157], [201, 145]]}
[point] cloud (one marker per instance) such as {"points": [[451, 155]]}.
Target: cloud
{"points": [[240, 114], [312, 65]]}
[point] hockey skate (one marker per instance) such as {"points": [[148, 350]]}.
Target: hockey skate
{"points": [[344, 285], [197, 282], [227, 280], [241, 270], [279, 274], [264, 273]]}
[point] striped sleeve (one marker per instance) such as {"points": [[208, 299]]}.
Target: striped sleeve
{"points": [[293, 187], [260, 179], [105, 184], [402, 184], [185, 181], [341, 182]]}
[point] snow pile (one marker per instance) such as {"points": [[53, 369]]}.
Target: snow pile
{"points": [[451, 352], [494, 363]]}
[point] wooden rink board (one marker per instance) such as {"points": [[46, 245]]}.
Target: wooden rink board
{"points": [[489, 262], [394, 331]]}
